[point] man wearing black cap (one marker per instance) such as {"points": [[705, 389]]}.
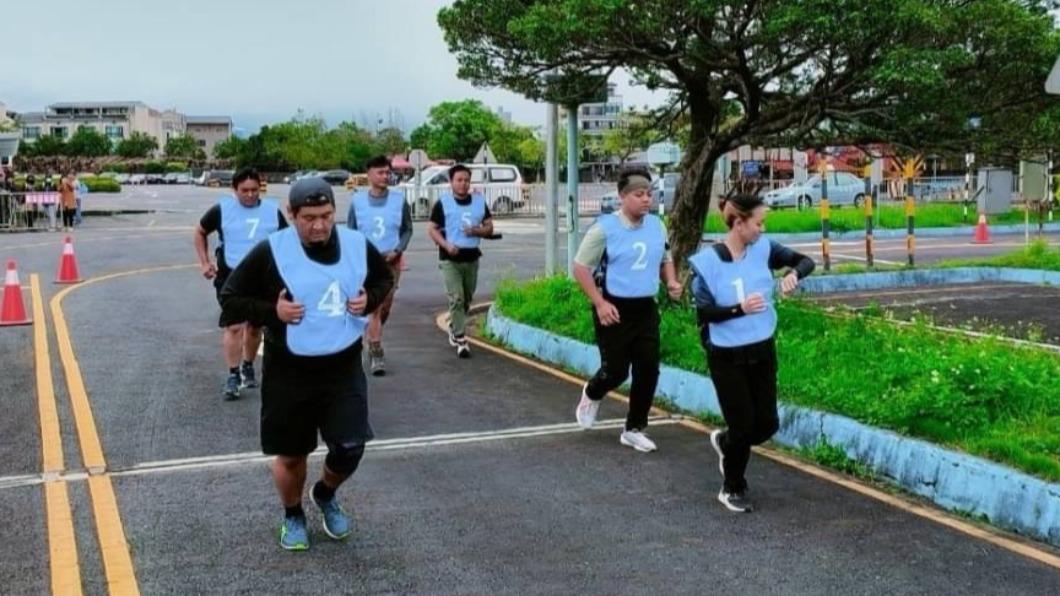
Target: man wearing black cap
{"points": [[311, 286]]}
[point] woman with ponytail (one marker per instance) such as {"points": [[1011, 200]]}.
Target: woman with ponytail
{"points": [[733, 289]]}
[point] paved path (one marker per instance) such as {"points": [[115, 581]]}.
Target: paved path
{"points": [[519, 503]]}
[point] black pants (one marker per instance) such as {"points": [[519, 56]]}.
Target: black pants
{"points": [[68, 217], [746, 381], [632, 342]]}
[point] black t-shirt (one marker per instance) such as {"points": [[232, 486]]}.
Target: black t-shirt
{"points": [[465, 255], [211, 222]]}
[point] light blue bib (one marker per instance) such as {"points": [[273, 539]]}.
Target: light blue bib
{"points": [[457, 216], [326, 328], [633, 256], [380, 221], [731, 283], [243, 227]]}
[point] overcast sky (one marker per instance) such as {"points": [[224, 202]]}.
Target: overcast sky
{"points": [[257, 61]]}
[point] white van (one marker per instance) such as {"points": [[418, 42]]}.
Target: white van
{"points": [[501, 185]]}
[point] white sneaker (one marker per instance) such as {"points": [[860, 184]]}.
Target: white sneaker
{"points": [[586, 411], [462, 349], [637, 440], [715, 441]]}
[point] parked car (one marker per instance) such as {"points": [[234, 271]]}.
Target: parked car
{"points": [[335, 177], [843, 189], [356, 181], [122, 178], [501, 185], [155, 178], [181, 178], [138, 179], [218, 178], [170, 178], [293, 177]]}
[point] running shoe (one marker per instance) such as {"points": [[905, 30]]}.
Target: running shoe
{"points": [[336, 522], [293, 534], [246, 371], [715, 441], [376, 360], [735, 501], [463, 350], [232, 387], [637, 440], [586, 411]]}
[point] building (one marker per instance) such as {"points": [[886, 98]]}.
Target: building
{"points": [[119, 119], [208, 130], [6, 118], [594, 119]]}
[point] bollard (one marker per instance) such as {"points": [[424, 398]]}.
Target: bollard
{"points": [[910, 216], [826, 225], [869, 192]]}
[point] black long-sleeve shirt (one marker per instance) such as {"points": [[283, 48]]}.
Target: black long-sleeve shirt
{"points": [[780, 256], [253, 288]]}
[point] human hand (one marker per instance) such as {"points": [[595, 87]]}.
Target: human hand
{"points": [[607, 313], [289, 311], [356, 306], [209, 270], [754, 303], [788, 283]]}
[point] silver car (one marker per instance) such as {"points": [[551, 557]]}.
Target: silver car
{"points": [[843, 189]]}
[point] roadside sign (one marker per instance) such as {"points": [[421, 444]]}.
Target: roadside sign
{"points": [[418, 159], [664, 154], [1052, 84]]}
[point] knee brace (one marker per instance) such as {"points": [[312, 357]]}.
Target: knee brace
{"points": [[343, 459]]}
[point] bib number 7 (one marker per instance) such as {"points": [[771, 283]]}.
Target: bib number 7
{"points": [[253, 222]]}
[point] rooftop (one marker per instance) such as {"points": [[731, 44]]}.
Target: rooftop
{"points": [[208, 120], [96, 104]]}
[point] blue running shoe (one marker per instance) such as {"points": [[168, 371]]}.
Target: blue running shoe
{"points": [[336, 522], [293, 534], [231, 392]]}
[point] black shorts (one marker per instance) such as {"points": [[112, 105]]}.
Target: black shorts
{"points": [[223, 320], [296, 404]]}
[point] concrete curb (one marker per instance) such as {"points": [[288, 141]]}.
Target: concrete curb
{"points": [[963, 231], [824, 284], [953, 480]]}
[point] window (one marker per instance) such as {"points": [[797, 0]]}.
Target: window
{"points": [[59, 132], [31, 132], [502, 175], [114, 132], [202, 142], [478, 175]]}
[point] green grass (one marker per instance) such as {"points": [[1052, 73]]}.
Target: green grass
{"points": [[845, 219], [1038, 255], [980, 395]]}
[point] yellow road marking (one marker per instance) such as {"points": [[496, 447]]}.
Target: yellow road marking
{"points": [[62, 545], [995, 537], [117, 562], [51, 441]]}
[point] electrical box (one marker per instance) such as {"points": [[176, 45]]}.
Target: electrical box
{"points": [[995, 188]]}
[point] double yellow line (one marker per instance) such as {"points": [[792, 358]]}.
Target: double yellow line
{"points": [[62, 543]]}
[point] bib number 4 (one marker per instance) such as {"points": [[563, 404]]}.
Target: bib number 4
{"points": [[332, 304]]}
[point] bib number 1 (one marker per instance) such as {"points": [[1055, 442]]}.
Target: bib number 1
{"points": [[738, 284], [332, 304]]}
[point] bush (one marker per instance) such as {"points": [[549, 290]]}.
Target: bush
{"points": [[101, 184], [154, 167], [117, 168], [982, 395], [175, 167]]}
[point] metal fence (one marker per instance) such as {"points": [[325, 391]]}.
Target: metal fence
{"points": [[28, 210], [511, 200]]}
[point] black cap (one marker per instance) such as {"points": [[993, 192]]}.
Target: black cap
{"points": [[310, 192]]}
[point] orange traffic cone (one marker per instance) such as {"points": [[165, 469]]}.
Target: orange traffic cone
{"points": [[982, 233], [13, 311], [68, 265]]}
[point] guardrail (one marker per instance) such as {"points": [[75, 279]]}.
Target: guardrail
{"points": [[28, 210], [510, 200]]}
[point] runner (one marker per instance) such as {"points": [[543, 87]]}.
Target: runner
{"points": [[459, 221], [310, 286], [387, 224], [733, 289], [241, 221], [629, 251]]}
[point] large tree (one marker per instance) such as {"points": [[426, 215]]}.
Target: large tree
{"points": [[184, 146], [137, 145], [799, 72], [456, 129], [88, 142]]}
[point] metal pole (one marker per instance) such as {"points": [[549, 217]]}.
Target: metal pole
{"points": [[572, 187], [552, 182]]}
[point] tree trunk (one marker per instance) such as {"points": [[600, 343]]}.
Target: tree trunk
{"points": [[691, 205]]}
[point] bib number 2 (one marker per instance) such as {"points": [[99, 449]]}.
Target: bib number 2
{"points": [[642, 256], [332, 304]]}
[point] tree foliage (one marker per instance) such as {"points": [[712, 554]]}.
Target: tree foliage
{"points": [[136, 145], [184, 146], [776, 72], [88, 142]]}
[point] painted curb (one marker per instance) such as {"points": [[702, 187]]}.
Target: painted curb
{"points": [[965, 231], [953, 480], [825, 284]]}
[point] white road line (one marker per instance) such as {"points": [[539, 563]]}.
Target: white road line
{"points": [[252, 457]]}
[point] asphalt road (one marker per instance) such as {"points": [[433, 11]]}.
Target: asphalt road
{"points": [[518, 503]]}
